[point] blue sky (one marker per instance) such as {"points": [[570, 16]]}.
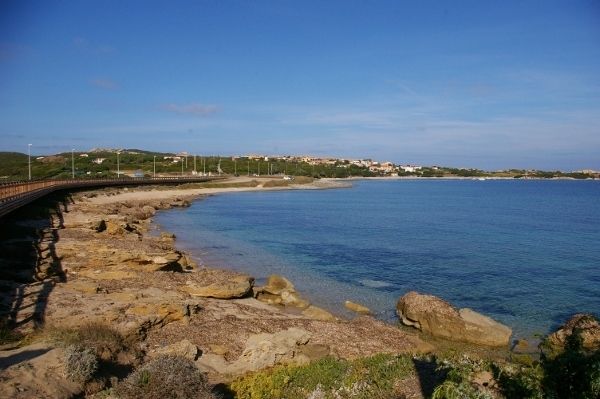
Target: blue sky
{"points": [[461, 83]]}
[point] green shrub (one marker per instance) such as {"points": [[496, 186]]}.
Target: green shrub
{"points": [[459, 382], [80, 363], [520, 382], [369, 378], [163, 378], [573, 373]]}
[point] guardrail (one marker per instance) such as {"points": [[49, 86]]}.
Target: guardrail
{"points": [[16, 194]]}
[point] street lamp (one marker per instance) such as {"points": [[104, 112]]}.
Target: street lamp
{"points": [[72, 163], [118, 165], [29, 157], [154, 174]]}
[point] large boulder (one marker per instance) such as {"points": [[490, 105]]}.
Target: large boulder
{"points": [[583, 327], [437, 317]]}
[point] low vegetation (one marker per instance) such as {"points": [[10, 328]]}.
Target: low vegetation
{"points": [[80, 363], [372, 377], [95, 354], [103, 340], [574, 373], [165, 377]]}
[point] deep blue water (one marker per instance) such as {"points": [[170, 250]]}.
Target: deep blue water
{"points": [[526, 253]]}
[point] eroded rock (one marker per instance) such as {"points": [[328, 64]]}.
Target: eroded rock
{"points": [[264, 350], [237, 287], [437, 317]]}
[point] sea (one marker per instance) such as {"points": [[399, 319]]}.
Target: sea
{"points": [[524, 252]]}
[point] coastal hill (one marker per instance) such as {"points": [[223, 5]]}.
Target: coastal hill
{"points": [[134, 162], [97, 303]]}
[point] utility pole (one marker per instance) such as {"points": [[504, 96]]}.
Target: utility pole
{"points": [[154, 172], [204, 163], [194, 163], [29, 156], [258, 168], [118, 166], [182, 167], [248, 167], [235, 167], [72, 163]]}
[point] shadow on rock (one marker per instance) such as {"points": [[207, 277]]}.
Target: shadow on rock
{"points": [[29, 264]]}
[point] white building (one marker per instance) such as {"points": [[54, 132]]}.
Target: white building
{"points": [[410, 168]]}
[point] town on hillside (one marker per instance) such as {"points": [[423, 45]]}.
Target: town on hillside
{"points": [[134, 163]]}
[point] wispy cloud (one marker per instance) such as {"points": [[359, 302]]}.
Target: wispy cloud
{"points": [[85, 45], [105, 84], [191, 109], [10, 51]]}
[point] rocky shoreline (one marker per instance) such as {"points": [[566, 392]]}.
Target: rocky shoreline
{"points": [[98, 261], [99, 264]]}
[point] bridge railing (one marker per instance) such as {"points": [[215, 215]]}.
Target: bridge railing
{"points": [[16, 194]]}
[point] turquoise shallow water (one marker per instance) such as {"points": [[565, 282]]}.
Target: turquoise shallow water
{"points": [[526, 253]]}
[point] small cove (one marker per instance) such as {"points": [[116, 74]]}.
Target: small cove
{"points": [[523, 252]]}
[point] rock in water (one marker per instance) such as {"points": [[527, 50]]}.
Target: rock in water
{"points": [[276, 285], [356, 307], [280, 291], [437, 317]]}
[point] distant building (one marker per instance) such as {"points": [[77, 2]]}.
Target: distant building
{"points": [[173, 159], [410, 168], [84, 155], [99, 161]]}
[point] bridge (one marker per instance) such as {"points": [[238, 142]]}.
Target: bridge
{"points": [[17, 194]]}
